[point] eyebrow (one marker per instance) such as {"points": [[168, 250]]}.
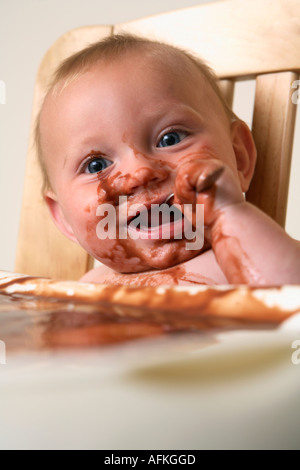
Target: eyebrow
{"points": [[180, 107]]}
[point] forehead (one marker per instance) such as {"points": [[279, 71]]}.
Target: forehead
{"points": [[156, 70], [122, 90]]}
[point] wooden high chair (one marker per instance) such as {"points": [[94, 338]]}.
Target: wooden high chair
{"points": [[239, 39]]}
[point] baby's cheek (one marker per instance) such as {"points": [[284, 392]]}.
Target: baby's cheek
{"points": [[85, 225], [96, 247], [203, 152], [112, 186], [100, 239], [89, 238], [107, 190]]}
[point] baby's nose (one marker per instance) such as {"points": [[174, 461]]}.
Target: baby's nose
{"points": [[142, 176], [140, 171]]}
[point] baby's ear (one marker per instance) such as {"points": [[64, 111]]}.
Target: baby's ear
{"points": [[58, 216], [245, 152]]}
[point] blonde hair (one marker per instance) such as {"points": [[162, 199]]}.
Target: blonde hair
{"points": [[113, 48]]}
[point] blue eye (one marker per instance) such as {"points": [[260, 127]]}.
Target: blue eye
{"points": [[97, 165], [171, 138]]}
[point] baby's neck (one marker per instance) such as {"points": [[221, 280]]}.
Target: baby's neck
{"points": [[202, 270]]}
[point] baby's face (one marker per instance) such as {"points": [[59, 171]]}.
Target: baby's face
{"points": [[124, 129]]}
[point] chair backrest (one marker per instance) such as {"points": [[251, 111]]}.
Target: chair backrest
{"points": [[239, 39]]}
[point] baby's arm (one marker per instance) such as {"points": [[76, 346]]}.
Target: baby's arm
{"points": [[249, 246]]}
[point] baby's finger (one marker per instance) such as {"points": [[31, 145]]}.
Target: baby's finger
{"points": [[195, 177], [206, 182]]}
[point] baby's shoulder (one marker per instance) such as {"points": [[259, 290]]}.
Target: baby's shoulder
{"points": [[204, 269]]}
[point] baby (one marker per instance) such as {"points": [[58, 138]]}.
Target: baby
{"points": [[129, 124]]}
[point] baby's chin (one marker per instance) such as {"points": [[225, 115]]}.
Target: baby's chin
{"points": [[159, 256]]}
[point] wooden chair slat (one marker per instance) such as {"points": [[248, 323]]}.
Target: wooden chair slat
{"points": [[273, 130]]}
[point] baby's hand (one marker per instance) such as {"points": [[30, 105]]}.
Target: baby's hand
{"points": [[209, 182]]}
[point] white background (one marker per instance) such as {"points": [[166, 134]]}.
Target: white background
{"points": [[27, 29]]}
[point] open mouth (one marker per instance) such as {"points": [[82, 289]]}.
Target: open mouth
{"points": [[158, 221]]}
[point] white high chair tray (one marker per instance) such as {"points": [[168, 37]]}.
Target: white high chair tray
{"points": [[90, 366]]}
